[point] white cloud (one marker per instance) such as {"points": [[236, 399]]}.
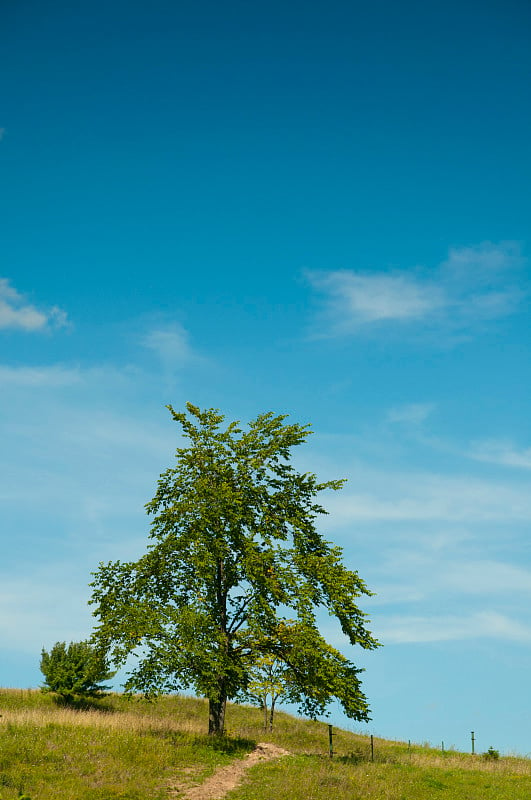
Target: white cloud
{"points": [[450, 574], [57, 376], [479, 265], [483, 624], [424, 497], [53, 376], [486, 578], [364, 298], [17, 314], [410, 413], [171, 343], [501, 452], [58, 318], [473, 285]]}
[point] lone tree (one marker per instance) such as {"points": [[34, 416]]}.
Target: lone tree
{"points": [[74, 671], [236, 570]]}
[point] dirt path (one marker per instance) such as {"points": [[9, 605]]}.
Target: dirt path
{"points": [[227, 778]]}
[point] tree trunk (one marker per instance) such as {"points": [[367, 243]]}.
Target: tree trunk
{"points": [[264, 705], [216, 705], [216, 716], [272, 713]]}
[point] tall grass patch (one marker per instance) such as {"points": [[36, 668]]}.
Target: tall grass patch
{"points": [[314, 778], [126, 750]]}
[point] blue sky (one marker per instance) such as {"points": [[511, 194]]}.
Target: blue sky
{"points": [[320, 210]]}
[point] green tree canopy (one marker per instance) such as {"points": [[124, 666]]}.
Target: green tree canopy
{"points": [[74, 671], [236, 569]]}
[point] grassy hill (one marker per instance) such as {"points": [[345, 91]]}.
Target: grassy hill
{"points": [[135, 750]]}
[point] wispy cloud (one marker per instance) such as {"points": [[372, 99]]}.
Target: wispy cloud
{"points": [[473, 285], [486, 578], [413, 576], [483, 624], [49, 376], [171, 343], [358, 299], [425, 496], [503, 453], [410, 413], [17, 314], [57, 376], [479, 264]]}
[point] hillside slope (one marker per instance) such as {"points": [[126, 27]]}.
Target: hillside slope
{"points": [[136, 750]]}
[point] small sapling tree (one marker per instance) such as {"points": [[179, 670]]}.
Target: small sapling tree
{"points": [[268, 682], [236, 570], [74, 671]]}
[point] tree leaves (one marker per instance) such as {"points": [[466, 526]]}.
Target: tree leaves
{"points": [[236, 570], [74, 671]]}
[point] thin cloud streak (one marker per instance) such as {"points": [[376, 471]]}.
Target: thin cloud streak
{"points": [[474, 285], [410, 414], [58, 376], [501, 452], [51, 377], [421, 629], [487, 578], [424, 497], [447, 575]]}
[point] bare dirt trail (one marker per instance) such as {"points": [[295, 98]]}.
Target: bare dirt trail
{"points": [[227, 778]]}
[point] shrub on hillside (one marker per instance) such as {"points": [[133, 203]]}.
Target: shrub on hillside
{"points": [[74, 671]]}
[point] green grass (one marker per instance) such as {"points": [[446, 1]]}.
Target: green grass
{"points": [[314, 778], [136, 750], [132, 750]]}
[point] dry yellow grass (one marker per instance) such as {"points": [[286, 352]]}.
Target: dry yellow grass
{"points": [[462, 761], [119, 720]]}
